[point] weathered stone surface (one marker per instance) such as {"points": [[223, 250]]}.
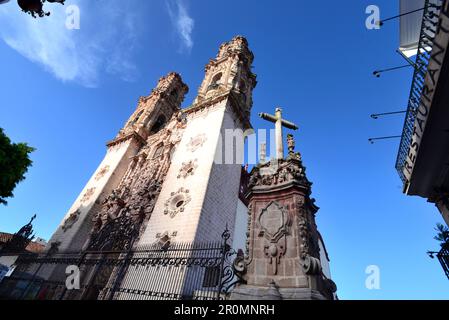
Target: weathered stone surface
{"points": [[267, 293], [283, 249]]}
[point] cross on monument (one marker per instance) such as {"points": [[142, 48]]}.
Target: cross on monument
{"points": [[277, 119]]}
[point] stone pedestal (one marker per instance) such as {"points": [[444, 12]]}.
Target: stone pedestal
{"points": [[283, 258]]}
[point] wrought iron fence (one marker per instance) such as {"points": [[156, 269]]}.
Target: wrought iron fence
{"points": [[426, 39], [183, 271]]}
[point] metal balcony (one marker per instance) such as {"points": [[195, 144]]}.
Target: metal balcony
{"points": [[428, 31]]}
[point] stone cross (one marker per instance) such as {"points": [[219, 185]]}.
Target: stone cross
{"points": [[277, 119]]}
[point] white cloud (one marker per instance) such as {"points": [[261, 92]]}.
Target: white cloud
{"points": [[182, 22], [105, 41]]}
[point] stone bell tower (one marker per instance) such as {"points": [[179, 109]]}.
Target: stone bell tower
{"points": [[124, 159], [199, 196], [285, 257]]}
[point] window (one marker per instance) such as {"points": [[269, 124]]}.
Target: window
{"points": [[136, 118], [159, 124], [215, 82], [174, 94]]}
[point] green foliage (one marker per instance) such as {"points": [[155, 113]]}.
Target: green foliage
{"points": [[442, 235], [14, 163]]}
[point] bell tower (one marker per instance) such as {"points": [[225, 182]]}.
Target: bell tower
{"points": [[230, 73], [155, 110], [151, 115], [199, 196]]}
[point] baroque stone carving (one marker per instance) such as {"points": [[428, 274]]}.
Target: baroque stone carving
{"points": [[248, 231], [196, 142], [88, 194], [54, 248], [291, 144], [102, 172], [274, 222], [177, 202], [117, 234], [71, 220], [311, 265], [188, 169], [165, 239], [279, 172]]}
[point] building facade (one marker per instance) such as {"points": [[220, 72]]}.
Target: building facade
{"points": [[168, 179], [423, 158]]}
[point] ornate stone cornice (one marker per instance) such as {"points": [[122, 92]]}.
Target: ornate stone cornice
{"points": [[221, 96], [279, 175], [130, 136]]}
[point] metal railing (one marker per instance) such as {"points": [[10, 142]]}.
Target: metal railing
{"points": [[427, 36], [180, 271]]}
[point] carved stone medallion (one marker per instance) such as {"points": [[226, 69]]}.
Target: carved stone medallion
{"points": [[177, 202], [196, 142], [88, 194], [71, 220], [274, 223], [188, 169], [102, 172]]}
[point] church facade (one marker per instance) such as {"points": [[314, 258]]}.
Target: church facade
{"points": [[165, 180]]}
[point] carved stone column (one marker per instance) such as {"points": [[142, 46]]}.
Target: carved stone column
{"points": [[283, 250]]}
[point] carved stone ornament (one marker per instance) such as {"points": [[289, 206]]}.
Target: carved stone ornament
{"points": [[88, 194], [278, 172], [311, 265], [274, 222], [303, 231], [166, 233], [102, 172], [291, 144], [165, 239], [248, 231], [188, 169], [177, 202], [54, 248], [239, 264], [196, 142], [71, 220]]}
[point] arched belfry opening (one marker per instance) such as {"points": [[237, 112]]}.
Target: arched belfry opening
{"points": [[137, 117], [214, 84], [159, 124]]}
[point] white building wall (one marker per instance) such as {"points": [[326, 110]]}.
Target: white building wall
{"points": [[213, 191], [213, 188], [117, 159]]}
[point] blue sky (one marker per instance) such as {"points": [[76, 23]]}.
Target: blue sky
{"points": [[67, 92]]}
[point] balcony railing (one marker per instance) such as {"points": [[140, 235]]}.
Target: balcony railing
{"points": [[427, 36]]}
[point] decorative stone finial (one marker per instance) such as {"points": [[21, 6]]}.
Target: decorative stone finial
{"points": [[263, 153], [291, 144]]}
